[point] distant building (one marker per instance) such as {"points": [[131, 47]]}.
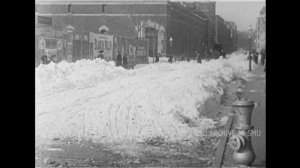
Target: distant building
{"points": [[226, 34], [233, 36], [243, 40], [261, 30], [208, 10]]}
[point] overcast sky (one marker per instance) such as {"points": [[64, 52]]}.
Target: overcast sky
{"points": [[242, 12]]}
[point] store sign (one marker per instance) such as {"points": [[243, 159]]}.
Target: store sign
{"points": [[103, 42]]}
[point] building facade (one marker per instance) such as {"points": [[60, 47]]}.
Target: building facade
{"points": [[226, 34], [206, 9], [156, 20], [192, 26]]}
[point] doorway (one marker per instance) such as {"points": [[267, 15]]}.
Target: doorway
{"points": [[152, 34]]}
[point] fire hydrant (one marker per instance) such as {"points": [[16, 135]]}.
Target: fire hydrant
{"points": [[240, 141]]}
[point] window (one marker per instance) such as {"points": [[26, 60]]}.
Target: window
{"points": [[103, 8], [69, 8]]}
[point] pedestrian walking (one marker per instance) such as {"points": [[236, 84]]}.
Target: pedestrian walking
{"points": [[263, 56], [125, 63], [170, 59], [119, 59], [255, 56], [211, 53], [198, 58], [100, 55], [157, 58], [223, 53]]}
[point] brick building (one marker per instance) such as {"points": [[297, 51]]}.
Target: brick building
{"points": [[156, 20], [232, 36], [226, 34]]}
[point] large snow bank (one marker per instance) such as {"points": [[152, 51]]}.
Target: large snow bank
{"points": [[84, 73], [94, 99]]}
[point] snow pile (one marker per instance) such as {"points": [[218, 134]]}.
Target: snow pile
{"points": [[94, 99], [84, 73]]}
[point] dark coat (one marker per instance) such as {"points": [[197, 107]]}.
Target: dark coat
{"points": [[45, 59], [119, 60], [101, 56], [170, 59], [156, 59], [125, 63], [198, 58], [224, 53]]}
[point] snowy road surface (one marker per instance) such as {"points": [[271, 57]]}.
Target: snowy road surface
{"points": [[93, 99]]}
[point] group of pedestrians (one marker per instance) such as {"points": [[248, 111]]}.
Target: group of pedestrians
{"points": [[254, 56], [206, 55], [122, 61]]}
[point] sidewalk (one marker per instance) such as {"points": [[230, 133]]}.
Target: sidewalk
{"points": [[255, 90]]}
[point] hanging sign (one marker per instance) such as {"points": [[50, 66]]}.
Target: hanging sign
{"points": [[103, 42]]}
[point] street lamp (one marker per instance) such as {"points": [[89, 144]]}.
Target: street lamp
{"points": [[250, 38], [171, 43]]}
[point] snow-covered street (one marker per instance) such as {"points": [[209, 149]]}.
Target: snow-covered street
{"points": [[93, 99]]}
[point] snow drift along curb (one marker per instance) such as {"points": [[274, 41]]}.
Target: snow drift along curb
{"points": [[94, 99]]}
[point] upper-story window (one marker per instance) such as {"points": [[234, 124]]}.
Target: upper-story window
{"points": [[102, 8], [69, 8]]}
